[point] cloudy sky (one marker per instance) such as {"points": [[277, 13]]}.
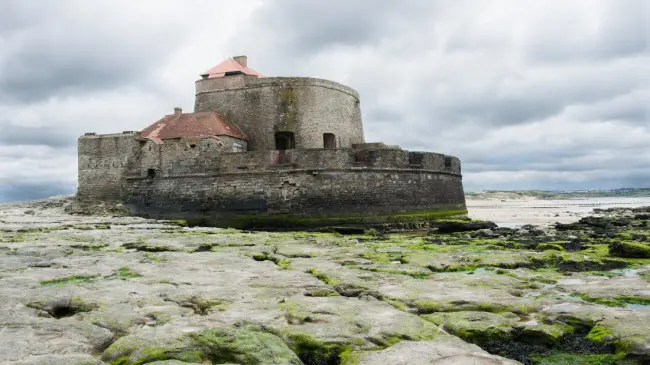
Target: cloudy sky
{"points": [[538, 94]]}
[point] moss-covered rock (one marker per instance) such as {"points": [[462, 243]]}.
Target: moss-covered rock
{"points": [[475, 327], [550, 246], [217, 345], [629, 249], [485, 327]]}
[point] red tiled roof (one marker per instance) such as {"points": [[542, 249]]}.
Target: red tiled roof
{"points": [[203, 124], [230, 65]]}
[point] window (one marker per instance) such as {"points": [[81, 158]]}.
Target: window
{"points": [[231, 73], [192, 146], [329, 140], [151, 173], [237, 147], [284, 141], [447, 162], [415, 158]]}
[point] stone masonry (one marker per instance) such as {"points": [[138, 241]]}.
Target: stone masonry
{"points": [[278, 147]]}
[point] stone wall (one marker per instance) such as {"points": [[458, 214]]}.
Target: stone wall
{"points": [[352, 191], [200, 176], [298, 182], [307, 107], [102, 160], [178, 158], [181, 156]]}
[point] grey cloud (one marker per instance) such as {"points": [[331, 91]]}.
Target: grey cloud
{"points": [[305, 27], [50, 50], [45, 135], [33, 191], [618, 29], [527, 99]]}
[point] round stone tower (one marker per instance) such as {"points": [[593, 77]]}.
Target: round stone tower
{"points": [[279, 113]]}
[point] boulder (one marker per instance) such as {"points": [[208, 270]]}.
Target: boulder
{"points": [[629, 249], [461, 226]]}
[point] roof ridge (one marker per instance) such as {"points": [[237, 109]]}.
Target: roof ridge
{"points": [[230, 65]]}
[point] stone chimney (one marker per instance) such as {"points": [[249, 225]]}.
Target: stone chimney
{"points": [[178, 111], [242, 60]]}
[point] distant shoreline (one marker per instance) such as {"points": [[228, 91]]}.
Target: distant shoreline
{"points": [[557, 195], [518, 209]]}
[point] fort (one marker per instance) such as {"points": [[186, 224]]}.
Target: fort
{"points": [[267, 151]]}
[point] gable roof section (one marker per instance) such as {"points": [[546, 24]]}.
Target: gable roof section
{"points": [[203, 124], [230, 65]]}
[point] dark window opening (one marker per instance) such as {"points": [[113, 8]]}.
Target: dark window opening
{"points": [[329, 140], [415, 158], [151, 173], [447, 162], [231, 73], [284, 141], [192, 146]]}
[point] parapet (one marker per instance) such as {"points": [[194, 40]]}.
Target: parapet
{"points": [[110, 135], [243, 81], [174, 159]]}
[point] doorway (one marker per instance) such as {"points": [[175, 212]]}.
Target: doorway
{"points": [[329, 140]]}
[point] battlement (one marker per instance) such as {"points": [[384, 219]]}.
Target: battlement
{"points": [[177, 158]]}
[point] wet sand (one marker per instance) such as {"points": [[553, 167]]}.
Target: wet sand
{"points": [[514, 212]]}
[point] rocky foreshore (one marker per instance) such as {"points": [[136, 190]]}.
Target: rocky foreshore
{"points": [[122, 290]]}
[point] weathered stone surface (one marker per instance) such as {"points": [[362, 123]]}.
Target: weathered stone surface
{"points": [[81, 289], [429, 353], [306, 106], [69, 359]]}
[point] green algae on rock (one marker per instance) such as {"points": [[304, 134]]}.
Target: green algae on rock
{"points": [[352, 299], [629, 249], [217, 345]]}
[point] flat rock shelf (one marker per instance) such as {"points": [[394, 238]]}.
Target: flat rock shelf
{"points": [[124, 290]]}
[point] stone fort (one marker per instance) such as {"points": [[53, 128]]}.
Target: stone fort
{"points": [[261, 151]]}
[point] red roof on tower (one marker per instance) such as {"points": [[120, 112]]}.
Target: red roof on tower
{"points": [[235, 64], [203, 124]]}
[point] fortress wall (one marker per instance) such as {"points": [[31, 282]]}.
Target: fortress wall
{"points": [[177, 158], [321, 158], [182, 156], [345, 192], [305, 106], [102, 162], [243, 162]]}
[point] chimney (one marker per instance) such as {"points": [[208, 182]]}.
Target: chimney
{"points": [[242, 60], [178, 111]]}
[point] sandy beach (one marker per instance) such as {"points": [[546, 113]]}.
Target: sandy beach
{"points": [[513, 212]]}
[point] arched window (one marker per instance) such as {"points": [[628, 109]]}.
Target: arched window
{"points": [[329, 140], [284, 141]]}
